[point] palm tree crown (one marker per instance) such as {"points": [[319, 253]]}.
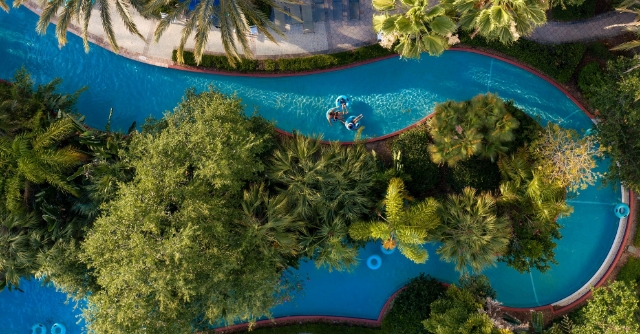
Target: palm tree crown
{"points": [[471, 234], [409, 229], [419, 28]]}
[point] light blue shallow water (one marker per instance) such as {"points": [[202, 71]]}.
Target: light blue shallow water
{"points": [[392, 94]]}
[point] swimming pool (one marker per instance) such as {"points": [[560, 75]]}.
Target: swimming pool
{"points": [[391, 94]]}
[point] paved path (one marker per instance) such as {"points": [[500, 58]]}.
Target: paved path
{"points": [[329, 36]]}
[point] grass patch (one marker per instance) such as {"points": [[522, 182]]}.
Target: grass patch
{"points": [[317, 328], [557, 61], [287, 65], [572, 13]]}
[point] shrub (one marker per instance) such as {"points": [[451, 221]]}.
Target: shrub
{"points": [[423, 175], [589, 75], [528, 131], [630, 272], [288, 64], [412, 305], [269, 65], [599, 50], [557, 61], [574, 12], [478, 173]]}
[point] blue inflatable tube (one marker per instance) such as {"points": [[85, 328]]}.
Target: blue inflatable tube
{"points": [[341, 99], [58, 329], [374, 262], [350, 125], [622, 210], [38, 329]]}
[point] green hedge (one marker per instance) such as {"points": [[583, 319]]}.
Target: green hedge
{"points": [[412, 305], [423, 174], [572, 13], [558, 61], [287, 65], [589, 75]]}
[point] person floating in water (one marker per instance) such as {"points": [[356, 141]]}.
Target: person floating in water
{"points": [[354, 123], [343, 103], [335, 115]]}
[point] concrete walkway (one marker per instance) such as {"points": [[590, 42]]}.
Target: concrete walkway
{"points": [[329, 36]]}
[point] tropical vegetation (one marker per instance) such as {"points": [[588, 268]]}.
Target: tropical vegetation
{"points": [[471, 234], [407, 229], [479, 127]]}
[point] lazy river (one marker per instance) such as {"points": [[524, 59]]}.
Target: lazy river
{"points": [[391, 94]]}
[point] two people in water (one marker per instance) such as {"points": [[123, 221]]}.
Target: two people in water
{"points": [[337, 114]]}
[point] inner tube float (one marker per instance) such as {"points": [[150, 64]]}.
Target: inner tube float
{"points": [[374, 262], [341, 99], [38, 329], [622, 210], [331, 119], [58, 329], [350, 125], [387, 251]]}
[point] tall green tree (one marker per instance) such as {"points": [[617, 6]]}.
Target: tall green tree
{"points": [[531, 203], [231, 17], [460, 130], [613, 309], [502, 20], [416, 26], [170, 251], [408, 229], [327, 188], [471, 233]]}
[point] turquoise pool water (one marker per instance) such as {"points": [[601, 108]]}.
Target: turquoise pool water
{"points": [[391, 94]]}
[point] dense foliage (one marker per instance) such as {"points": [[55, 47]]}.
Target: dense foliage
{"points": [[532, 205], [612, 309], [408, 229], [412, 305], [324, 195], [411, 27], [52, 171], [420, 173], [471, 234], [173, 235], [281, 65], [614, 95], [479, 127], [458, 312]]}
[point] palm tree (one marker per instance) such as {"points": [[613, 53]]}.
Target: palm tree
{"points": [[80, 10], [19, 247], [502, 20], [471, 234], [531, 203], [326, 188], [269, 225], [408, 229], [3, 5], [232, 17], [34, 158], [461, 130], [416, 26], [629, 6]]}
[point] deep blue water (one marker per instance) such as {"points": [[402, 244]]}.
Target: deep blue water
{"points": [[391, 94]]}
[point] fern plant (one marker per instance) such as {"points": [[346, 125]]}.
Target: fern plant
{"points": [[408, 229]]}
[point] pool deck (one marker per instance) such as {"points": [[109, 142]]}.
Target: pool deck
{"points": [[329, 36]]}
